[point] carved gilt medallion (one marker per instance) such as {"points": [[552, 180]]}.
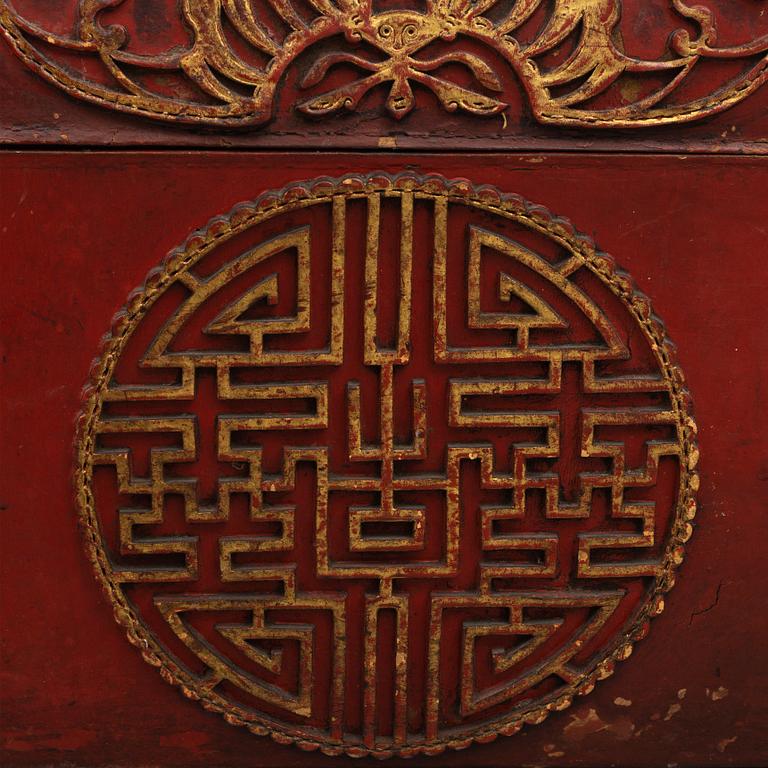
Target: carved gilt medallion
{"points": [[384, 465], [228, 63]]}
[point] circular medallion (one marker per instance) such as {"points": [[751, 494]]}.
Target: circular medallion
{"points": [[384, 465]]}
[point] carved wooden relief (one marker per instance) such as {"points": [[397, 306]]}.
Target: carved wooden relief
{"points": [[384, 465], [227, 63]]}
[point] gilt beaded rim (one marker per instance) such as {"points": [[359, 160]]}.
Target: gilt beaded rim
{"points": [[235, 693]]}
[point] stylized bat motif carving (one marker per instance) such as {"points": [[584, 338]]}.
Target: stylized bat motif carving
{"points": [[240, 51]]}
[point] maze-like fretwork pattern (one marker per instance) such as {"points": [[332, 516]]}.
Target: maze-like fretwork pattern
{"points": [[383, 468]]}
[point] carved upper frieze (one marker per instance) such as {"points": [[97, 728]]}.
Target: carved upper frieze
{"points": [[232, 63]]}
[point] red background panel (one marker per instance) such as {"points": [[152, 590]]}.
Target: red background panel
{"points": [[80, 230]]}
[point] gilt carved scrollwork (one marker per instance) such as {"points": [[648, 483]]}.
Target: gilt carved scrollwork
{"points": [[384, 465], [230, 65]]}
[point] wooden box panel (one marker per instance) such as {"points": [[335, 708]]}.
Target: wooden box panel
{"points": [[81, 233]]}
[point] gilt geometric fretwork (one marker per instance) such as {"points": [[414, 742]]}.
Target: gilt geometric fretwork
{"points": [[232, 63], [384, 465]]}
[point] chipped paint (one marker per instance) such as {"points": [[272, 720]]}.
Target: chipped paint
{"points": [[622, 728], [718, 693]]}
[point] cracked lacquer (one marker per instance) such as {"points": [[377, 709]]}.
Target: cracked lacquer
{"points": [[240, 51]]}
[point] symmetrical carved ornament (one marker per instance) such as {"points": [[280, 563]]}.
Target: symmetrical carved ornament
{"points": [[568, 56], [384, 465]]}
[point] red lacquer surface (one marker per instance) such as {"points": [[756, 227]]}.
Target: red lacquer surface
{"points": [[80, 235]]}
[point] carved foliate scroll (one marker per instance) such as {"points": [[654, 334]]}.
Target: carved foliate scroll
{"points": [[231, 61], [386, 465]]}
